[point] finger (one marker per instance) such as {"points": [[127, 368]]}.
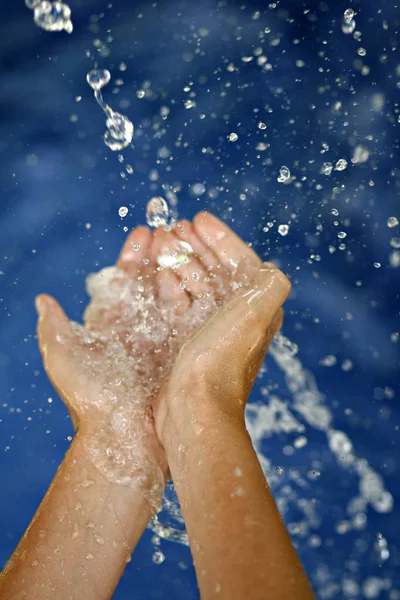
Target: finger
{"points": [[164, 245], [56, 344], [231, 251], [185, 231], [135, 250], [170, 293], [54, 329]]}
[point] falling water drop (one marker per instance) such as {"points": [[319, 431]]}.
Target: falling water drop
{"points": [[51, 16], [284, 174], [98, 78], [157, 212]]}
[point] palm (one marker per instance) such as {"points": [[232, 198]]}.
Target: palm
{"points": [[111, 369]]}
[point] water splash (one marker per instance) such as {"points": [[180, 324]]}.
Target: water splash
{"points": [[120, 129]]}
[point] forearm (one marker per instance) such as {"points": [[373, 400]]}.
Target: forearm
{"points": [[239, 543], [80, 538]]}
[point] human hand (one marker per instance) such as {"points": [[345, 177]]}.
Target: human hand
{"points": [[221, 360], [104, 370]]}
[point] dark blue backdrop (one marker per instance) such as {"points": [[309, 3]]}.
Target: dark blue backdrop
{"points": [[56, 176]]}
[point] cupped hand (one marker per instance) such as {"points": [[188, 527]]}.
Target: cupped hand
{"points": [[109, 371]]}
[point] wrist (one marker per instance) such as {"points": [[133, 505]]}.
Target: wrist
{"points": [[194, 411], [126, 469]]}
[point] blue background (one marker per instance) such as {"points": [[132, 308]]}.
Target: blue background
{"points": [[56, 175]]}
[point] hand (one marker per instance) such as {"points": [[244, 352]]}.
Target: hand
{"points": [[221, 360], [106, 371]]}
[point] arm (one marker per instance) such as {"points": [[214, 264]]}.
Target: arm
{"points": [[239, 543], [80, 538]]}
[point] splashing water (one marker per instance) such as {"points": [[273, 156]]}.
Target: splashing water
{"points": [[51, 16], [120, 129], [175, 257]]}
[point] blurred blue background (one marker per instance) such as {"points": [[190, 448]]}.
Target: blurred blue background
{"points": [[61, 188]]}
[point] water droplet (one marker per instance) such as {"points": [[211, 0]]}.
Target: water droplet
{"points": [[75, 531], [327, 168], [360, 155], [157, 212], [123, 211], [283, 229], [32, 3], [119, 132], [348, 28], [89, 556], [341, 164], [392, 222], [99, 539], [52, 16], [339, 443], [284, 174], [98, 78], [348, 15], [300, 442], [233, 137], [158, 557]]}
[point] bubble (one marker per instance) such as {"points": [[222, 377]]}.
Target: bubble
{"points": [[123, 211], [283, 229], [392, 222], [52, 16], [341, 164], [284, 174], [157, 212], [98, 78], [261, 125], [175, 257], [280, 470], [327, 168], [233, 137], [348, 15], [32, 3], [361, 51]]}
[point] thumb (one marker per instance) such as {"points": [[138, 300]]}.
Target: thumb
{"points": [[250, 316], [54, 329]]}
